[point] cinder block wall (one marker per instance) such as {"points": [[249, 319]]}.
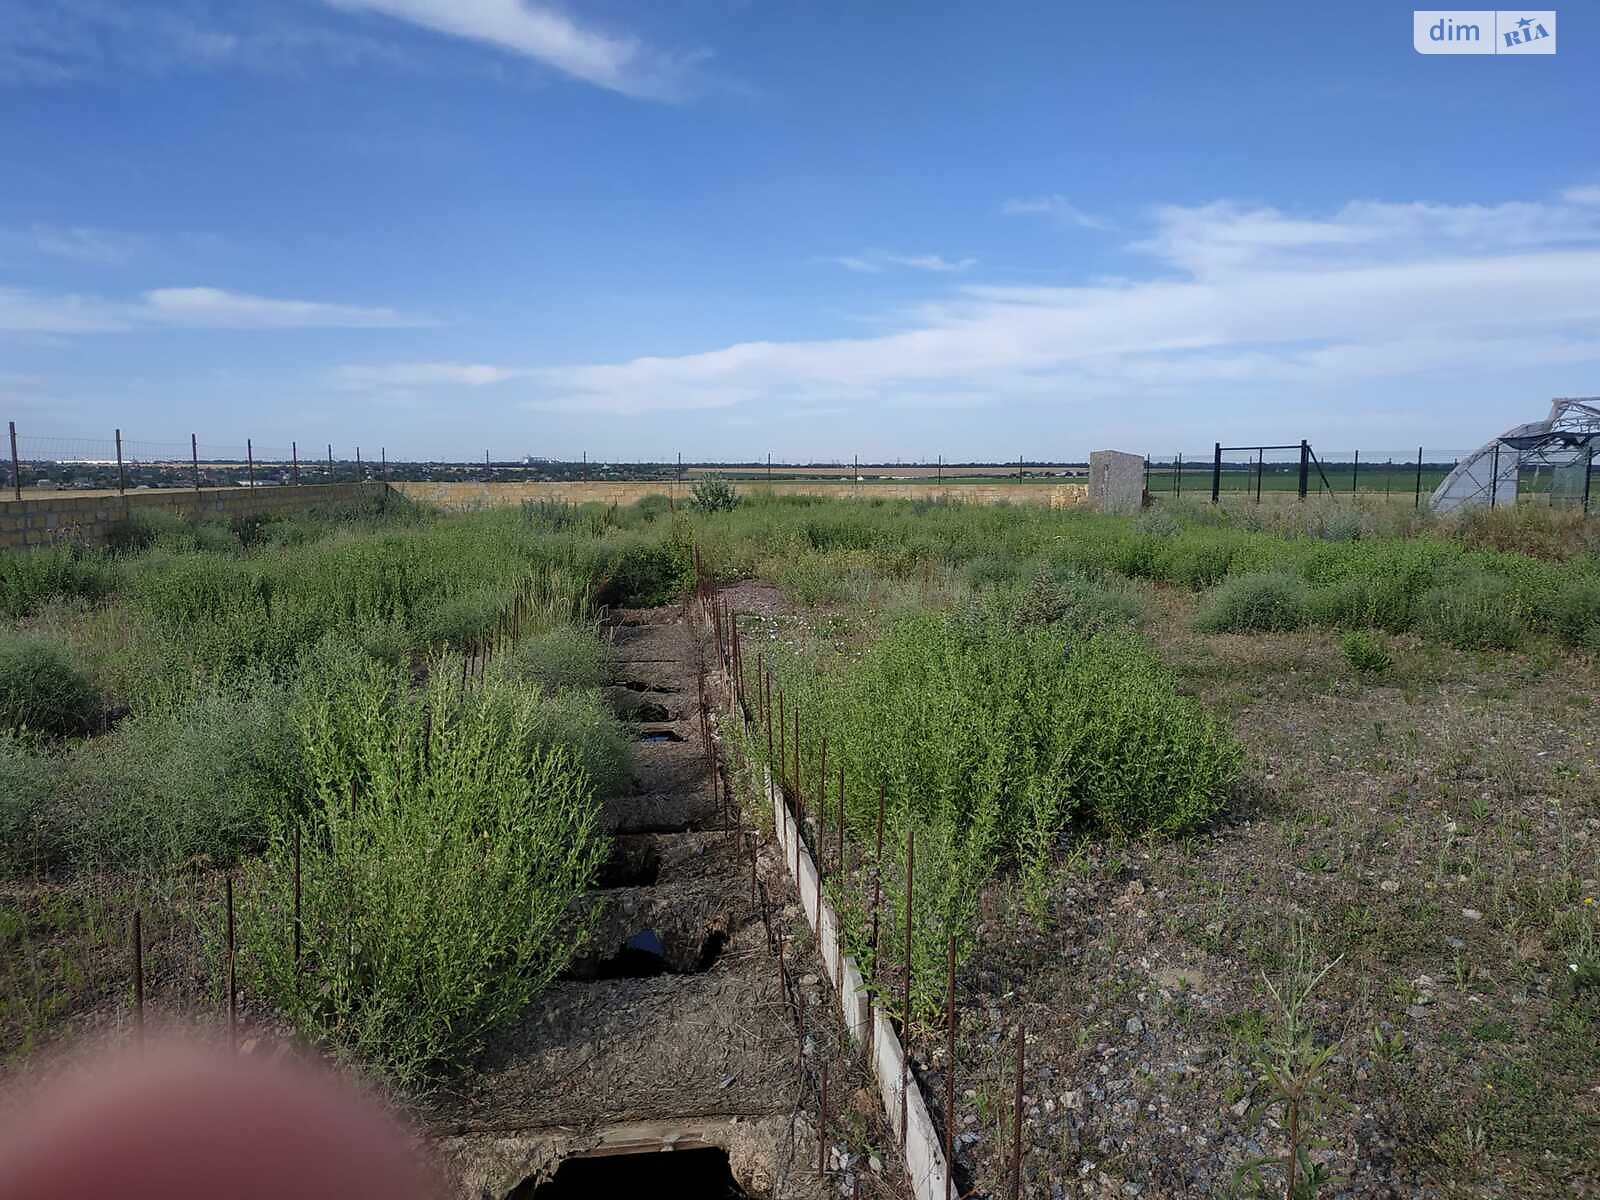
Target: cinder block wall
{"points": [[45, 520], [466, 496]]}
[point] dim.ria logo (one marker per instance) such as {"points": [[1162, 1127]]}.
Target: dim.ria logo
{"points": [[1484, 31]]}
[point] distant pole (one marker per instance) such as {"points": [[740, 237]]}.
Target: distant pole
{"points": [[941, 468], [122, 474], [16, 471], [330, 463], [1177, 476], [1019, 466], [1588, 470], [1305, 469], [294, 455], [1261, 466], [1417, 503], [586, 466], [250, 459], [769, 466], [1494, 479], [194, 454], [1216, 474], [358, 464], [1355, 474], [383, 462], [488, 471]]}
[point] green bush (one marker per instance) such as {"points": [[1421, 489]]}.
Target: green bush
{"points": [[1478, 612], [1365, 651], [1575, 613], [639, 571], [713, 494], [990, 738], [462, 621], [27, 777], [443, 863], [1270, 603], [202, 779], [28, 577], [142, 528], [1088, 607], [568, 656], [41, 688]]}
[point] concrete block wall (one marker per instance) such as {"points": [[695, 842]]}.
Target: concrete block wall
{"points": [[466, 496], [49, 519]]}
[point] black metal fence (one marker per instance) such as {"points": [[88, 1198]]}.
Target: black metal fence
{"points": [[1263, 472]]}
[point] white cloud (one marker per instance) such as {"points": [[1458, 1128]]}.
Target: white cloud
{"points": [[420, 374], [875, 261], [1225, 236], [1055, 206], [1373, 292], [620, 63], [1588, 193], [26, 311], [82, 243]]}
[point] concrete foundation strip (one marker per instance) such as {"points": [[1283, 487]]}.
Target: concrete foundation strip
{"points": [[924, 1156]]}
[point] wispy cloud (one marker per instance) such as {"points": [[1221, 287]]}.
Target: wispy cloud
{"points": [[621, 63], [873, 262], [1057, 208], [27, 311], [79, 243], [361, 377], [1256, 298]]}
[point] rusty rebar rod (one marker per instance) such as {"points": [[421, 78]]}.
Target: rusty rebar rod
{"points": [[822, 1125], [950, 1071], [233, 993], [905, 1019], [1016, 1118], [138, 978]]}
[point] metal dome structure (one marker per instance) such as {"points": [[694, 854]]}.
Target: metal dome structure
{"points": [[1550, 459]]}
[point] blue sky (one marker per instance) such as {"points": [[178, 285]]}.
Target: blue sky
{"points": [[817, 229]]}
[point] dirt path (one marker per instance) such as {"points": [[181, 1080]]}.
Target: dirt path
{"points": [[671, 1029]]}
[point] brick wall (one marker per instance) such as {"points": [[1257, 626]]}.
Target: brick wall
{"points": [[42, 519]]}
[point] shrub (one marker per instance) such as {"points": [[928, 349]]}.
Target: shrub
{"points": [[641, 571], [713, 494], [203, 778], [41, 689], [568, 656], [1087, 606], [142, 528], [27, 773], [989, 738], [1365, 651], [463, 620], [1575, 613], [1476, 612], [442, 863], [28, 577], [1269, 603]]}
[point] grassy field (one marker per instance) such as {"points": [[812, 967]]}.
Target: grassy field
{"points": [[1231, 808]]}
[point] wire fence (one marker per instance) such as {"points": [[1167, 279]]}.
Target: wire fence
{"points": [[1261, 473]]}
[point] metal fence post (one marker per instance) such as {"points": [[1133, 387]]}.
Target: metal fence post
{"points": [[1355, 474], [250, 459], [1177, 475], [16, 469], [1261, 466], [122, 475], [1494, 479], [294, 452], [1216, 473], [1588, 470], [1305, 469], [330, 462], [1418, 502], [358, 464], [194, 454]]}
